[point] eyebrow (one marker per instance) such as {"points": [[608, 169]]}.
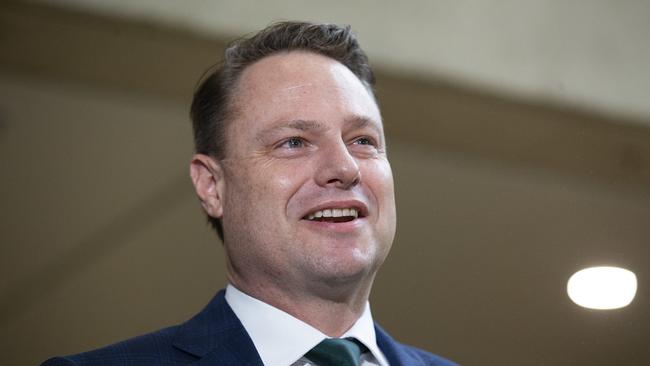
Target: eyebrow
{"points": [[302, 125], [355, 122], [358, 122], [298, 124]]}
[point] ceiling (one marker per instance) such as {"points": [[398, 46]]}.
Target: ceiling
{"points": [[588, 55]]}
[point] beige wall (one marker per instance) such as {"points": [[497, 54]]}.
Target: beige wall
{"points": [[499, 202]]}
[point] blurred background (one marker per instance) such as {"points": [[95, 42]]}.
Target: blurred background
{"points": [[519, 134]]}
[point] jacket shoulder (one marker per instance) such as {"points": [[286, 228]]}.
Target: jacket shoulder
{"points": [[149, 349], [425, 357], [59, 361], [214, 332]]}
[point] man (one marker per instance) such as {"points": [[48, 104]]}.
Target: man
{"points": [[291, 169]]}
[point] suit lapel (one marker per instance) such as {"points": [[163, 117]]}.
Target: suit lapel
{"points": [[400, 355], [217, 337], [393, 351], [222, 357]]}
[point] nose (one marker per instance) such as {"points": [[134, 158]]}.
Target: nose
{"points": [[337, 167]]}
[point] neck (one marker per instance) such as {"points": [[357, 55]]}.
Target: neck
{"points": [[331, 308]]}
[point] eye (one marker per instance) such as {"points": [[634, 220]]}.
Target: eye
{"points": [[293, 143], [363, 141]]}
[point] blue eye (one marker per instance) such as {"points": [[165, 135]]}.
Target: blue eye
{"points": [[293, 143]]}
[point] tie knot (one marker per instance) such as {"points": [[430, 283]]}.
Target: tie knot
{"points": [[337, 352]]}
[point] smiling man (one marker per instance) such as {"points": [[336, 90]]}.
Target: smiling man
{"points": [[291, 169]]}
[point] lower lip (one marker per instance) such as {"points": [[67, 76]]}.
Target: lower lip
{"points": [[336, 227]]}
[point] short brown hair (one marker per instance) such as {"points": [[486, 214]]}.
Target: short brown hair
{"points": [[211, 107]]}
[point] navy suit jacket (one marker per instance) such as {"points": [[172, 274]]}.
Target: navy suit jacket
{"points": [[214, 337]]}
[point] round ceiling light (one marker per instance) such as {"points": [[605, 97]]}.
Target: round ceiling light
{"points": [[602, 287]]}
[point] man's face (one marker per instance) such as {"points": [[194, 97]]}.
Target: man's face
{"points": [[307, 142]]}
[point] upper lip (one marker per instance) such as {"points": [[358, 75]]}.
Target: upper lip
{"points": [[360, 206]]}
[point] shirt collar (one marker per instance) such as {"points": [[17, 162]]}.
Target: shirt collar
{"points": [[281, 339], [364, 331]]}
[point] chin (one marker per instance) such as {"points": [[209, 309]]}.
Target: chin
{"points": [[347, 268]]}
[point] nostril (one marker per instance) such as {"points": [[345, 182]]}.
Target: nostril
{"points": [[357, 179], [346, 182]]}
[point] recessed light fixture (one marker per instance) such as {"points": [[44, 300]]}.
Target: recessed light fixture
{"points": [[602, 287]]}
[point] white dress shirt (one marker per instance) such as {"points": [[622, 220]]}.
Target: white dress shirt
{"points": [[282, 340]]}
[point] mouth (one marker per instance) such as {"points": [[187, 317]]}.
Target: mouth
{"points": [[334, 215]]}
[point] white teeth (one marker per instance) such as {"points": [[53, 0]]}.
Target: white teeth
{"points": [[334, 212]]}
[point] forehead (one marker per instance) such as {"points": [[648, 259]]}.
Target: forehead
{"points": [[300, 85]]}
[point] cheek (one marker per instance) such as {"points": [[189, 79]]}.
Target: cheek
{"points": [[379, 178], [268, 186], [380, 182], [283, 183]]}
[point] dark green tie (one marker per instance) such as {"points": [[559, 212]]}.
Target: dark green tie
{"points": [[337, 352]]}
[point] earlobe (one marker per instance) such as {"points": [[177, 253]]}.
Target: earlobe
{"points": [[208, 180]]}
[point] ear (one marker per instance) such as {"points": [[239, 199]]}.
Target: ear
{"points": [[207, 177]]}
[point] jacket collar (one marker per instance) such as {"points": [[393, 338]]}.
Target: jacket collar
{"points": [[388, 346], [400, 355], [215, 334]]}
